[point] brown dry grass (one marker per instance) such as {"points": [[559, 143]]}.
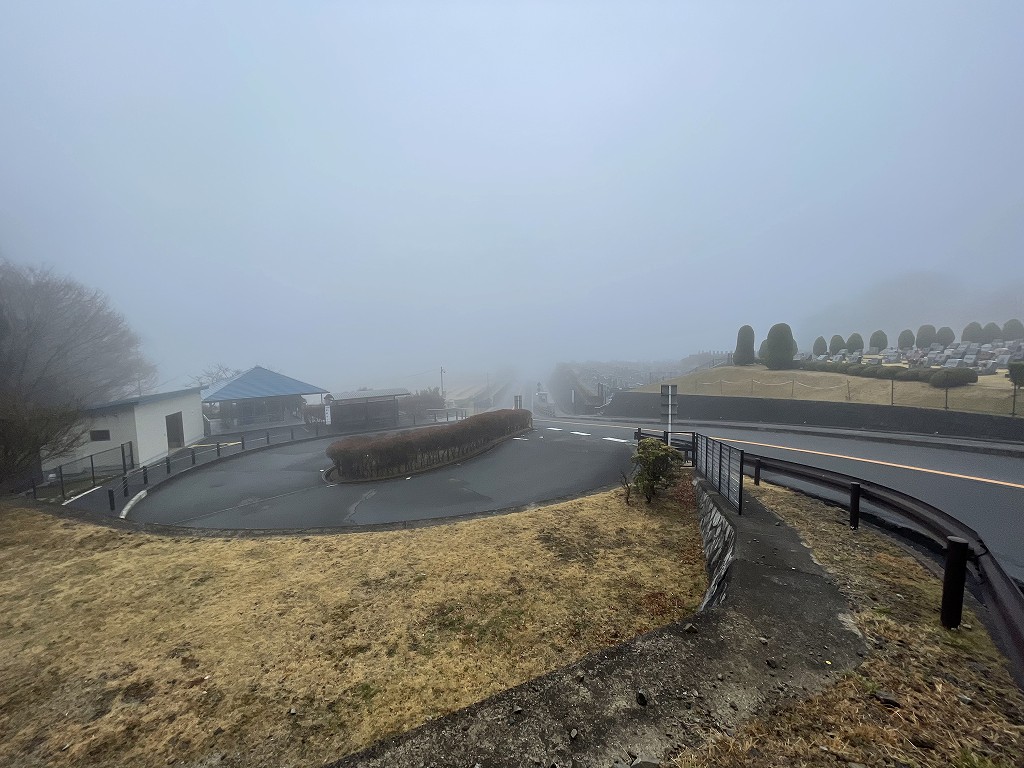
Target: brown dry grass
{"points": [[895, 603], [992, 394], [120, 648]]}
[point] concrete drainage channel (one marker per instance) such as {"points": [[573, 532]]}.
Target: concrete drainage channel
{"points": [[779, 634]]}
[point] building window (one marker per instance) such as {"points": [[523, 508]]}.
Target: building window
{"points": [[99, 435]]}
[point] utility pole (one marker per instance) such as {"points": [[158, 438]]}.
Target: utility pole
{"points": [[442, 383]]}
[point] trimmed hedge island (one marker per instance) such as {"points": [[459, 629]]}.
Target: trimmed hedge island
{"points": [[382, 456]]}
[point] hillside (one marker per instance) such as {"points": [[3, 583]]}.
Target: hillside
{"points": [[992, 394]]}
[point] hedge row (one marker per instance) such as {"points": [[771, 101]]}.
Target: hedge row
{"points": [[366, 458], [937, 377]]}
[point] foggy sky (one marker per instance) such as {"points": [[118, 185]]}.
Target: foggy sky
{"points": [[354, 193]]}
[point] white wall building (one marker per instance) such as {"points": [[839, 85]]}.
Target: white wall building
{"points": [[154, 424]]}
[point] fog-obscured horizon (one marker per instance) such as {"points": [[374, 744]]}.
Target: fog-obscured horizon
{"points": [[357, 194]]}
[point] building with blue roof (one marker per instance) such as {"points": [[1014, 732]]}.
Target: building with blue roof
{"points": [[256, 397]]}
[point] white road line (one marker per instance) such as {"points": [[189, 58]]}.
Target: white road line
{"points": [[81, 495], [554, 429], [616, 440], [581, 434], [520, 438]]}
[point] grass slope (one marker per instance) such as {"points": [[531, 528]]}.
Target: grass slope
{"points": [[991, 394], [119, 648], [958, 705]]}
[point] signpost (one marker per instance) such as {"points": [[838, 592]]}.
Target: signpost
{"points": [[668, 406]]}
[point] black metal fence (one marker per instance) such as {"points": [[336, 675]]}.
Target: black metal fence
{"points": [[722, 465], [71, 478]]}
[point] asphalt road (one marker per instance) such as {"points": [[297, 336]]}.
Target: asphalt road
{"points": [[282, 488], [982, 490]]}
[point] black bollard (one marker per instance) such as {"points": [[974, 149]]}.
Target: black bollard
{"points": [[757, 471], [124, 485], [167, 463], [268, 437], [110, 499], [293, 433], [145, 475], [243, 442], [854, 505], [953, 582], [218, 448], [193, 452]]}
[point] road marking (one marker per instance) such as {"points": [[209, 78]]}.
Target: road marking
{"points": [[879, 462], [616, 440], [73, 498], [581, 434], [554, 429], [586, 424], [520, 438]]}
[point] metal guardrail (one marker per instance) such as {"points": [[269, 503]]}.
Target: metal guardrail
{"points": [[943, 533]]}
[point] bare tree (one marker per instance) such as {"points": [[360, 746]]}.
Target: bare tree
{"points": [[214, 375], [62, 347]]}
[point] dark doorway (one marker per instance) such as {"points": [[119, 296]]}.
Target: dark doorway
{"points": [[175, 432]]}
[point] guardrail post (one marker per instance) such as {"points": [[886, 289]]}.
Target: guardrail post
{"points": [[145, 475], [92, 468], [110, 499], [721, 450], [218, 448], [757, 471], [124, 485], [193, 452], [167, 462], [667, 437], [243, 441], [638, 434], [131, 454], [953, 582], [268, 437], [739, 493], [60, 473], [124, 460], [854, 505]]}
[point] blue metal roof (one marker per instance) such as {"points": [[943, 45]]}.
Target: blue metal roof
{"points": [[258, 382]]}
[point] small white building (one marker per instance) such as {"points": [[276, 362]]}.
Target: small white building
{"points": [[155, 425]]}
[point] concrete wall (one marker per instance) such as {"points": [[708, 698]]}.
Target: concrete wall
{"points": [[718, 539], [120, 423], [884, 418], [151, 424]]}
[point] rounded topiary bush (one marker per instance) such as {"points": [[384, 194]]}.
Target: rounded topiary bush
{"points": [[947, 378]]}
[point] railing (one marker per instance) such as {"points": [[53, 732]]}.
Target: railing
{"points": [[941, 532], [73, 477]]}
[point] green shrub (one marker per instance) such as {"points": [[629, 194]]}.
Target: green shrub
{"points": [[835, 344], [779, 348], [655, 464], [947, 378], [945, 336], [972, 334], [1013, 330], [365, 458], [744, 354], [926, 335], [1017, 374], [990, 333], [915, 374], [855, 343], [820, 346], [906, 339], [879, 340], [887, 372]]}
